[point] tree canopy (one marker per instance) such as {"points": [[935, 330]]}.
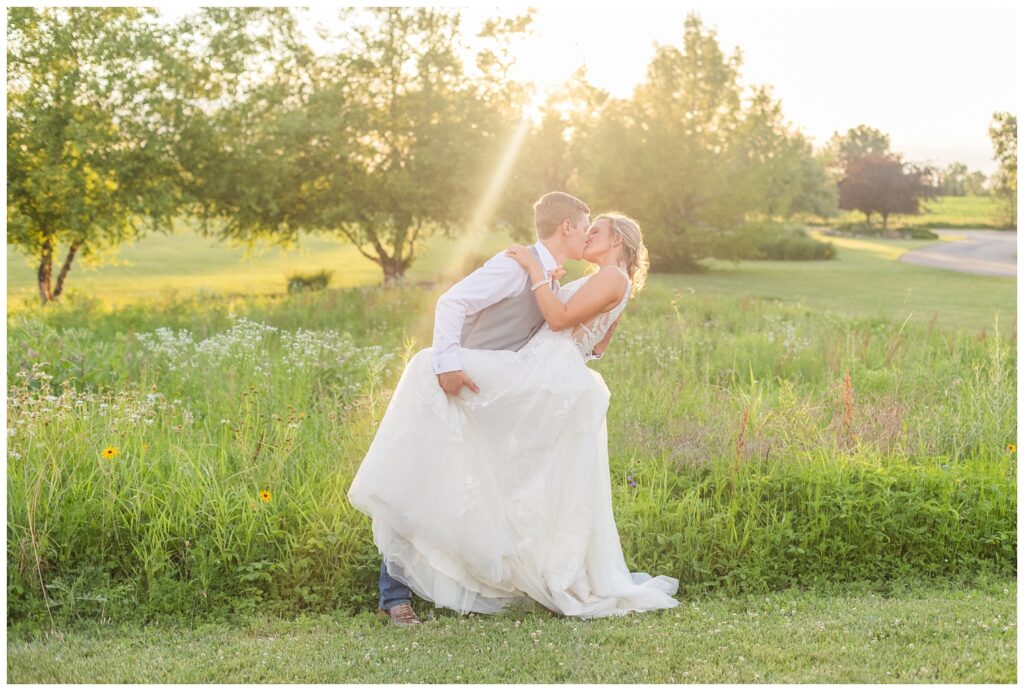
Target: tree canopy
{"points": [[882, 183], [1003, 133], [692, 157], [106, 123], [383, 143], [88, 131], [119, 124]]}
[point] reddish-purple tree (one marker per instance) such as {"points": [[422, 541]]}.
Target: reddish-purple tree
{"points": [[882, 183]]}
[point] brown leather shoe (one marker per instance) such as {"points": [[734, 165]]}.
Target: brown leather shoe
{"points": [[400, 615]]}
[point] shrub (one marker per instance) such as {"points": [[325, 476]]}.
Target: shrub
{"points": [[867, 229], [314, 281], [775, 241]]}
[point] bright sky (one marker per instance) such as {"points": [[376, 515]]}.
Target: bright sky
{"points": [[930, 77]]}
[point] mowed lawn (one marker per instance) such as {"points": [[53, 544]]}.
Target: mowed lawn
{"points": [[944, 212], [186, 262], [916, 635], [865, 279]]}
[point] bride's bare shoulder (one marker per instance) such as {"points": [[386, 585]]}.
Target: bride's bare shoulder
{"points": [[610, 277]]}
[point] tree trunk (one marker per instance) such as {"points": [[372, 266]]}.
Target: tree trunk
{"points": [[45, 267], [394, 270], [885, 228], [66, 268]]}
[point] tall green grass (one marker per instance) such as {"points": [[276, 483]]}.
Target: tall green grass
{"points": [[770, 445]]}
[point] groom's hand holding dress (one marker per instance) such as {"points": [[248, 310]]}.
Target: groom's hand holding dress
{"points": [[499, 279], [452, 382]]}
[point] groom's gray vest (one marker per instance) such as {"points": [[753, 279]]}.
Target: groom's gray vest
{"points": [[507, 324]]}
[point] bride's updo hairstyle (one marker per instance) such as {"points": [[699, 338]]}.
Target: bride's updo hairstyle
{"points": [[634, 253]]}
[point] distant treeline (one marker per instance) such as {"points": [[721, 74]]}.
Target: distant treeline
{"points": [[118, 123]]}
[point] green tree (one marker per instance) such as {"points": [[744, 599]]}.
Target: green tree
{"points": [[953, 180], [107, 123], [384, 143], [671, 155], [554, 151], [818, 195], [1003, 133], [975, 184], [693, 159], [956, 180], [86, 134], [781, 172], [857, 142], [248, 168]]}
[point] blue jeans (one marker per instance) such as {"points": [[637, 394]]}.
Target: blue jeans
{"points": [[392, 592]]}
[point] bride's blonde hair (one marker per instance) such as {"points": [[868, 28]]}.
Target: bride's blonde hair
{"points": [[634, 253]]}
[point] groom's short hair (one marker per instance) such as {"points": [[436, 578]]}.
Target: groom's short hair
{"points": [[554, 207]]}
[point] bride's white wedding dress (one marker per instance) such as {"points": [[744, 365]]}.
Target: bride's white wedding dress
{"points": [[483, 500]]}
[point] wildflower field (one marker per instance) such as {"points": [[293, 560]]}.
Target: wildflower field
{"points": [[187, 459]]}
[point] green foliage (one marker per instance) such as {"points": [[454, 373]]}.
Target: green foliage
{"points": [[781, 172], [384, 143], [857, 142], [756, 466], [691, 159], [87, 131], [870, 230], [555, 153], [955, 180], [977, 212], [107, 130], [313, 281], [229, 118], [750, 525], [761, 240], [1003, 133]]}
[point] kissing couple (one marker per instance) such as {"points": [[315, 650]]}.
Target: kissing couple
{"points": [[487, 481]]}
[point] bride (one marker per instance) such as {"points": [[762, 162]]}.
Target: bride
{"points": [[482, 500]]}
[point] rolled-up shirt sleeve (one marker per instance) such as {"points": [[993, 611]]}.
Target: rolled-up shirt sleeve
{"points": [[499, 278]]}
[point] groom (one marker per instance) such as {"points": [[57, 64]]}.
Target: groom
{"points": [[493, 308]]}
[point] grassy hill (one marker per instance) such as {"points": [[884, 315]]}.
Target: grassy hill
{"points": [[186, 262], [865, 279], [942, 212]]}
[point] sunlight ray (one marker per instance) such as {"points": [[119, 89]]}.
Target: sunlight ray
{"points": [[475, 232]]}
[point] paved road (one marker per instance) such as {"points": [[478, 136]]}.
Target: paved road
{"points": [[988, 252]]}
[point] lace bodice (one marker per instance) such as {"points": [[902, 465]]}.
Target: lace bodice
{"points": [[590, 334]]}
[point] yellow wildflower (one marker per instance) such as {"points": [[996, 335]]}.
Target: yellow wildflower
{"points": [[109, 452], [265, 495], [1012, 448]]}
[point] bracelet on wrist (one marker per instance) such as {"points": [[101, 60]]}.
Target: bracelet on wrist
{"points": [[538, 284]]}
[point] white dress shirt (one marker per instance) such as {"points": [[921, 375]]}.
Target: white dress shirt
{"points": [[499, 278]]}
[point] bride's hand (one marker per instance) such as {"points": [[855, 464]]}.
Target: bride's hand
{"points": [[522, 255]]}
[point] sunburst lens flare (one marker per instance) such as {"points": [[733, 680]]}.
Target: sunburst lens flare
{"points": [[475, 232]]}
